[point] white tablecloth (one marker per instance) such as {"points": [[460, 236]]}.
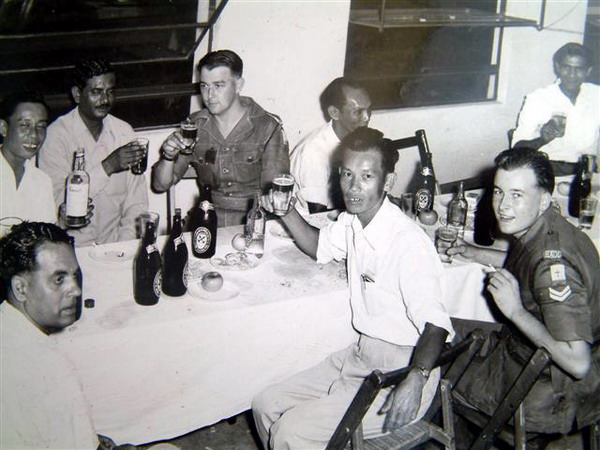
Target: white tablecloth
{"points": [[156, 372]]}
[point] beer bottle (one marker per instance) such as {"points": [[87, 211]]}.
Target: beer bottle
{"points": [[457, 211], [175, 258], [426, 189], [77, 192], [581, 185], [146, 271], [255, 229], [204, 234]]}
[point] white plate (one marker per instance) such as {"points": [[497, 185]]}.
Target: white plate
{"points": [[235, 261], [227, 292], [111, 256]]}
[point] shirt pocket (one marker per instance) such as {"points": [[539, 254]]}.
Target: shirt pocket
{"points": [[247, 163]]}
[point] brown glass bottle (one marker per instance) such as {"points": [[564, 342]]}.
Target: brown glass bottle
{"points": [[146, 270], [425, 191], [175, 258], [581, 185], [204, 232]]}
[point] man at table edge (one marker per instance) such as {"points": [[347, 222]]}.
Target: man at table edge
{"points": [[239, 149], [42, 401], [548, 289], [405, 326]]}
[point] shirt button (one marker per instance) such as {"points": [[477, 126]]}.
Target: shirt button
{"points": [[225, 170], [229, 183], [226, 149], [228, 194], [250, 159]]}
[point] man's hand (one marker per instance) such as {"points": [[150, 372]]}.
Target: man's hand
{"points": [[402, 404], [123, 158], [504, 287], [266, 201], [62, 215], [461, 248], [550, 131], [173, 145]]}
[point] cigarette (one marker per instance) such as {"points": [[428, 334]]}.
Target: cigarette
{"points": [[489, 269]]}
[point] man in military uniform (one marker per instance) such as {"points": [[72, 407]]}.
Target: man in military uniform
{"points": [[239, 147], [549, 291]]}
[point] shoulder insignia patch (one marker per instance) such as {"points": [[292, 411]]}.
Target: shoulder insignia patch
{"points": [[558, 272], [552, 254], [559, 294]]}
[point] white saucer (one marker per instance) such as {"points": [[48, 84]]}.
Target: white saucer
{"points": [[227, 292], [111, 256]]}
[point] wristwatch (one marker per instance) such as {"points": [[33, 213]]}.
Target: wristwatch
{"points": [[423, 371], [166, 157]]}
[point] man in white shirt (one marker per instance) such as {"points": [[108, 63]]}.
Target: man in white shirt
{"points": [[396, 300], [42, 402], [118, 195], [538, 126], [348, 105], [26, 190]]}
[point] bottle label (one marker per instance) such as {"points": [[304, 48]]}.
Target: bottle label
{"points": [[178, 241], [202, 239], [184, 275], [206, 206], [423, 199], [151, 248], [77, 200], [157, 284]]}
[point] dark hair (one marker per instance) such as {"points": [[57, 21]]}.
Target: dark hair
{"points": [[84, 70], [573, 49], [222, 58], [528, 157], [364, 139], [14, 99], [334, 94], [18, 249]]}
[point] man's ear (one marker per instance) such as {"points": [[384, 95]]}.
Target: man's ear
{"points": [[76, 93], [333, 112], [19, 286], [390, 179], [239, 84], [545, 202], [3, 128]]}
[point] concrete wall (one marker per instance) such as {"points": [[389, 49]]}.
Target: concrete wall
{"points": [[293, 49]]}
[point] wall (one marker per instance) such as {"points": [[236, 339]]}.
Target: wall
{"points": [[292, 49]]}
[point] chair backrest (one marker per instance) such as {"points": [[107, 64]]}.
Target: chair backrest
{"points": [[190, 174], [458, 355]]}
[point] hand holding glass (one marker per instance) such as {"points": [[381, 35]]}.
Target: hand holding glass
{"points": [[445, 237], [282, 191], [140, 166], [560, 122]]}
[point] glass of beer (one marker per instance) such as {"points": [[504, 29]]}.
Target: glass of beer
{"points": [[283, 187], [445, 237], [189, 132], [140, 167], [587, 211]]}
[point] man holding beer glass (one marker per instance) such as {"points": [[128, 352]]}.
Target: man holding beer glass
{"points": [[239, 148], [396, 299]]}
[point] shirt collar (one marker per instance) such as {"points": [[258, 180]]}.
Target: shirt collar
{"points": [[376, 233]]}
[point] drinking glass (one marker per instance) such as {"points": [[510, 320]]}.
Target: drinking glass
{"points": [[407, 203], [6, 223], [140, 167], [587, 211], [560, 119], [189, 132], [283, 186], [445, 237]]}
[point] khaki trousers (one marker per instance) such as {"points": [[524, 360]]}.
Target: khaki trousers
{"points": [[302, 412]]}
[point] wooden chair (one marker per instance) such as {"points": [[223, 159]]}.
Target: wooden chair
{"points": [[497, 427], [458, 356]]}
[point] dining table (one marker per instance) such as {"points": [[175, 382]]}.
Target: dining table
{"points": [[157, 372]]}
